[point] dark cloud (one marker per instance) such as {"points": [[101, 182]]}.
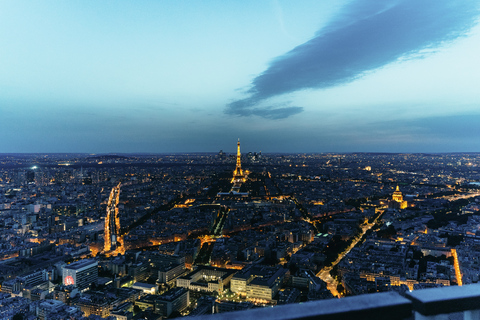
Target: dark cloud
{"points": [[366, 35], [246, 107]]}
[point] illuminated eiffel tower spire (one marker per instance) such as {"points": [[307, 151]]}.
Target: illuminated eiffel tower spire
{"points": [[238, 175]]}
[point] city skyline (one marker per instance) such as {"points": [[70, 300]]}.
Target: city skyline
{"points": [[164, 77], [155, 236]]}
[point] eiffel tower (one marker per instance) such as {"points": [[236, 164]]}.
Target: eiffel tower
{"points": [[238, 176]]}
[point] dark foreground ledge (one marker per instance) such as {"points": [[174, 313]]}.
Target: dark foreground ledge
{"points": [[420, 304], [445, 300], [389, 305]]}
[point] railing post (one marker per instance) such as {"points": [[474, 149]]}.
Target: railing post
{"points": [[471, 315], [419, 316], [438, 303]]}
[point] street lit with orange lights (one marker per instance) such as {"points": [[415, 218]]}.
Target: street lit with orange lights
{"points": [[325, 275], [458, 273]]}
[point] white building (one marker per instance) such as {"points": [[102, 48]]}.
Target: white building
{"points": [[80, 274]]}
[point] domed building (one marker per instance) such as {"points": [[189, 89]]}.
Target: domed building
{"points": [[397, 195], [397, 200]]}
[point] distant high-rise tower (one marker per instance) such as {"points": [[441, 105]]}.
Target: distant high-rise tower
{"points": [[238, 176], [221, 155]]}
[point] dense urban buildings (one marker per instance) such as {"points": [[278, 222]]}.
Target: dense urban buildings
{"points": [[152, 236]]}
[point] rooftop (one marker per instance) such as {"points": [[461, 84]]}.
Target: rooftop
{"points": [[172, 294], [81, 264]]}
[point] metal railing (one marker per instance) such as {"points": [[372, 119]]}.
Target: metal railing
{"points": [[427, 304]]}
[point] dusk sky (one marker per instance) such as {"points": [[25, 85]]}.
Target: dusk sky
{"points": [[283, 76]]}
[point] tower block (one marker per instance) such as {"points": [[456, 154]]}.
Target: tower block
{"points": [[238, 176]]}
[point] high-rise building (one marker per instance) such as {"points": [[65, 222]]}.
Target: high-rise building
{"points": [[29, 176], [81, 274]]}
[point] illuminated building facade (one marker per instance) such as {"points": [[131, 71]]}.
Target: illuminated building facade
{"points": [[398, 201], [146, 287], [397, 195], [206, 278], [112, 220], [94, 304], [80, 274], [258, 282]]}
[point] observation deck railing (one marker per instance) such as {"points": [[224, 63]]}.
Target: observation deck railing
{"points": [[428, 304]]}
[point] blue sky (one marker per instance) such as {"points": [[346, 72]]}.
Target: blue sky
{"points": [[283, 76]]}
